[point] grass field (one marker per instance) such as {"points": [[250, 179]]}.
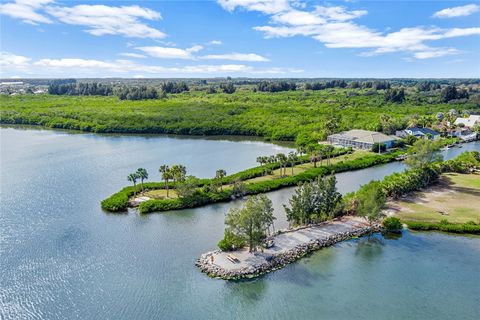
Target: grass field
{"points": [[456, 199], [357, 154], [161, 194]]}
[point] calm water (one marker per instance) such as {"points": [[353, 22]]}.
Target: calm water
{"points": [[61, 257]]}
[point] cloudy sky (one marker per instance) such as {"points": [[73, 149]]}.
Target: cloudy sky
{"points": [[252, 38]]}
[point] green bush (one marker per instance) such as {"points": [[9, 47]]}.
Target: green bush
{"points": [[118, 201], [224, 245], [230, 242], [445, 226], [392, 224]]}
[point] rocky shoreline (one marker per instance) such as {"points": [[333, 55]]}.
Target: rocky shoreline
{"points": [[272, 261]]}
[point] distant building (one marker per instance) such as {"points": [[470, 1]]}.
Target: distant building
{"points": [[468, 122], [419, 133], [463, 133], [361, 139]]}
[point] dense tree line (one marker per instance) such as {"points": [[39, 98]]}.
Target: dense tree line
{"points": [[340, 83], [271, 86], [396, 95], [80, 89], [228, 88], [136, 93], [377, 85], [428, 86], [326, 85], [304, 117], [450, 93], [174, 87]]}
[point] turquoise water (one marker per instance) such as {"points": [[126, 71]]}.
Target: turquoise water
{"points": [[62, 257]]}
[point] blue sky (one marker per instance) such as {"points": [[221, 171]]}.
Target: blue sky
{"points": [[240, 38]]}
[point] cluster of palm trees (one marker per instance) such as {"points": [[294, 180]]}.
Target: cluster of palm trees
{"points": [[176, 173], [318, 154], [280, 158], [141, 174]]}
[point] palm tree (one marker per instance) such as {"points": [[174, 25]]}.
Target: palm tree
{"points": [[328, 151], [166, 175], [272, 159], [292, 157], [265, 162], [143, 175], [320, 154], [282, 159], [132, 177], [301, 151], [219, 175], [261, 160], [178, 173], [314, 159]]}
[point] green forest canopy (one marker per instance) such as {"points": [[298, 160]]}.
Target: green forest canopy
{"points": [[287, 115]]}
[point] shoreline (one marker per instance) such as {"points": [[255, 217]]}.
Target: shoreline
{"points": [[214, 137], [290, 246]]}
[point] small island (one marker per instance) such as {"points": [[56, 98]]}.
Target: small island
{"points": [[179, 190], [287, 247]]}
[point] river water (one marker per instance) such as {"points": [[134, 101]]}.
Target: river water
{"points": [[62, 257]]}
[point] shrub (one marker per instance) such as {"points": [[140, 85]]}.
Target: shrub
{"points": [[445, 226], [230, 241], [224, 245], [118, 201], [392, 224]]}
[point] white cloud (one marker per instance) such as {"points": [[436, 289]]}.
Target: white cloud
{"points": [[215, 42], [461, 11], [251, 57], [170, 53], [7, 58], [102, 20], [195, 48], [265, 6], [10, 61], [338, 13], [334, 27], [296, 17], [435, 53], [77, 67], [98, 19], [132, 55], [26, 10]]}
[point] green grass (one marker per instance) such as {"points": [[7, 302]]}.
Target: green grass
{"points": [[161, 194], [277, 116], [456, 199]]}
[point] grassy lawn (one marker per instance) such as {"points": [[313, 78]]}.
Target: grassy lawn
{"points": [[161, 194], [456, 198], [305, 166]]}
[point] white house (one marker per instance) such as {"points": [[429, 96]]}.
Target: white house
{"points": [[468, 122], [361, 139], [419, 133]]}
